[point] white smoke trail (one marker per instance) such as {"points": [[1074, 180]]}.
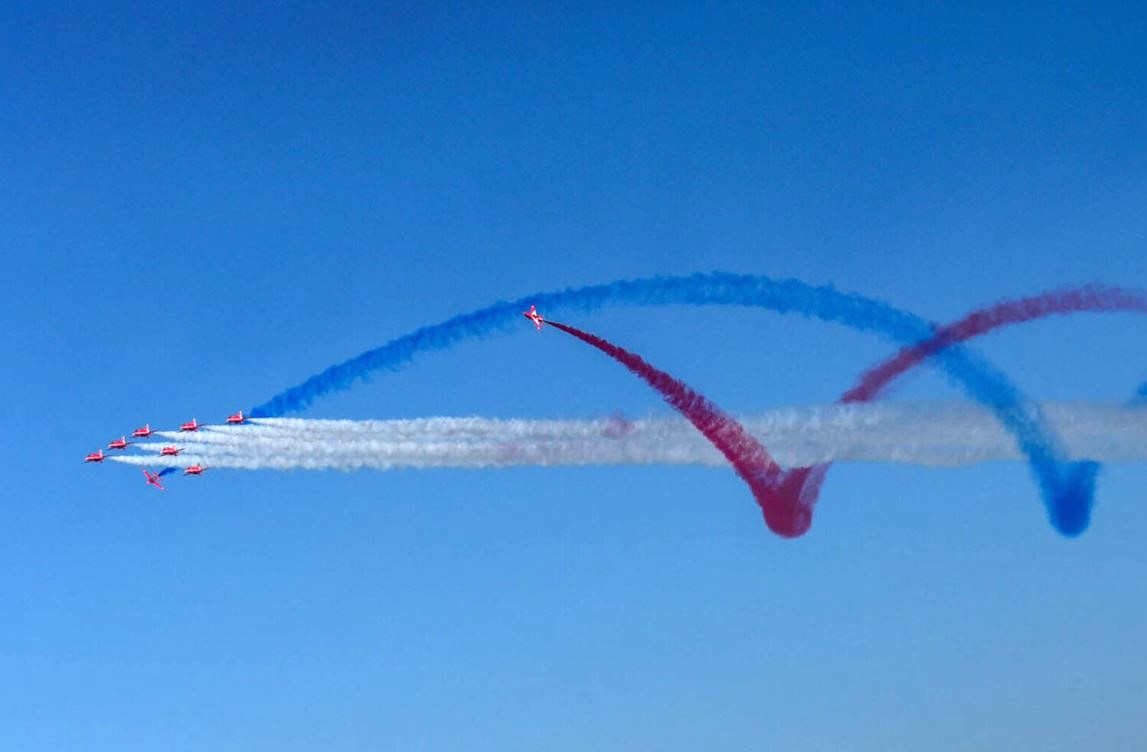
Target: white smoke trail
{"points": [[866, 432]]}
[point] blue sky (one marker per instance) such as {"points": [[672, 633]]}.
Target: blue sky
{"points": [[203, 205]]}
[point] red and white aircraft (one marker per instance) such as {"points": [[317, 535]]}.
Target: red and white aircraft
{"points": [[236, 419], [535, 317], [95, 457], [192, 426], [169, 451], [142, 433], [120, 443], [194, 470], [153, 480]]}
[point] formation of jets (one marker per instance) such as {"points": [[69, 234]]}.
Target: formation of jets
{"points": [[193, 425], [167, 451]]}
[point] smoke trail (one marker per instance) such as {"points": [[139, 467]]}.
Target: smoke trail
{"points": [[1067, 489], [1090, 298], [929, 434], [787, 512], [270, 431], [782, 296]]}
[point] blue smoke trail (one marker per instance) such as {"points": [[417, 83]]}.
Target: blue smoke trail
{"points": [[1067, 488], [166, 471]]}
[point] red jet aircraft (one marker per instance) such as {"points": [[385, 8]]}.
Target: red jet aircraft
{"points": [[236, 419], [194, 470], [142, 433], [120, 443], [95, 457], [169, 451], [535, 317], [153, 480], [192, 426]]}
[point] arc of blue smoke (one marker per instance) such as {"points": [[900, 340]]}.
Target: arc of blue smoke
{"points": [[1067, 488]]}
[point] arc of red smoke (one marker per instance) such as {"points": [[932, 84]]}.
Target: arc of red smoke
{"points": [[1089, 298], [787, 497]]}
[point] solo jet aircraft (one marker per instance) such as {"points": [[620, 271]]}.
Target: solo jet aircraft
{"points": [[194, 470], [95, 456], [153, 480], [535, 317], [236, 419]]}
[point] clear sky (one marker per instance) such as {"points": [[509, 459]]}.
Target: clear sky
{"points": [[202, 205]]}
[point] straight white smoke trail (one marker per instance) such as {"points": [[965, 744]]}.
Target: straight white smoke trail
{"points": [[865, 432]]}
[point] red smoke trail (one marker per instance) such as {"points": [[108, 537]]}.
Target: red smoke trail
{"points": [[1090, 298], [785, 497]]}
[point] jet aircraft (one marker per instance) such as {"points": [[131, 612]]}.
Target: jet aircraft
{"points": [[535, 317], [153, 480]]}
